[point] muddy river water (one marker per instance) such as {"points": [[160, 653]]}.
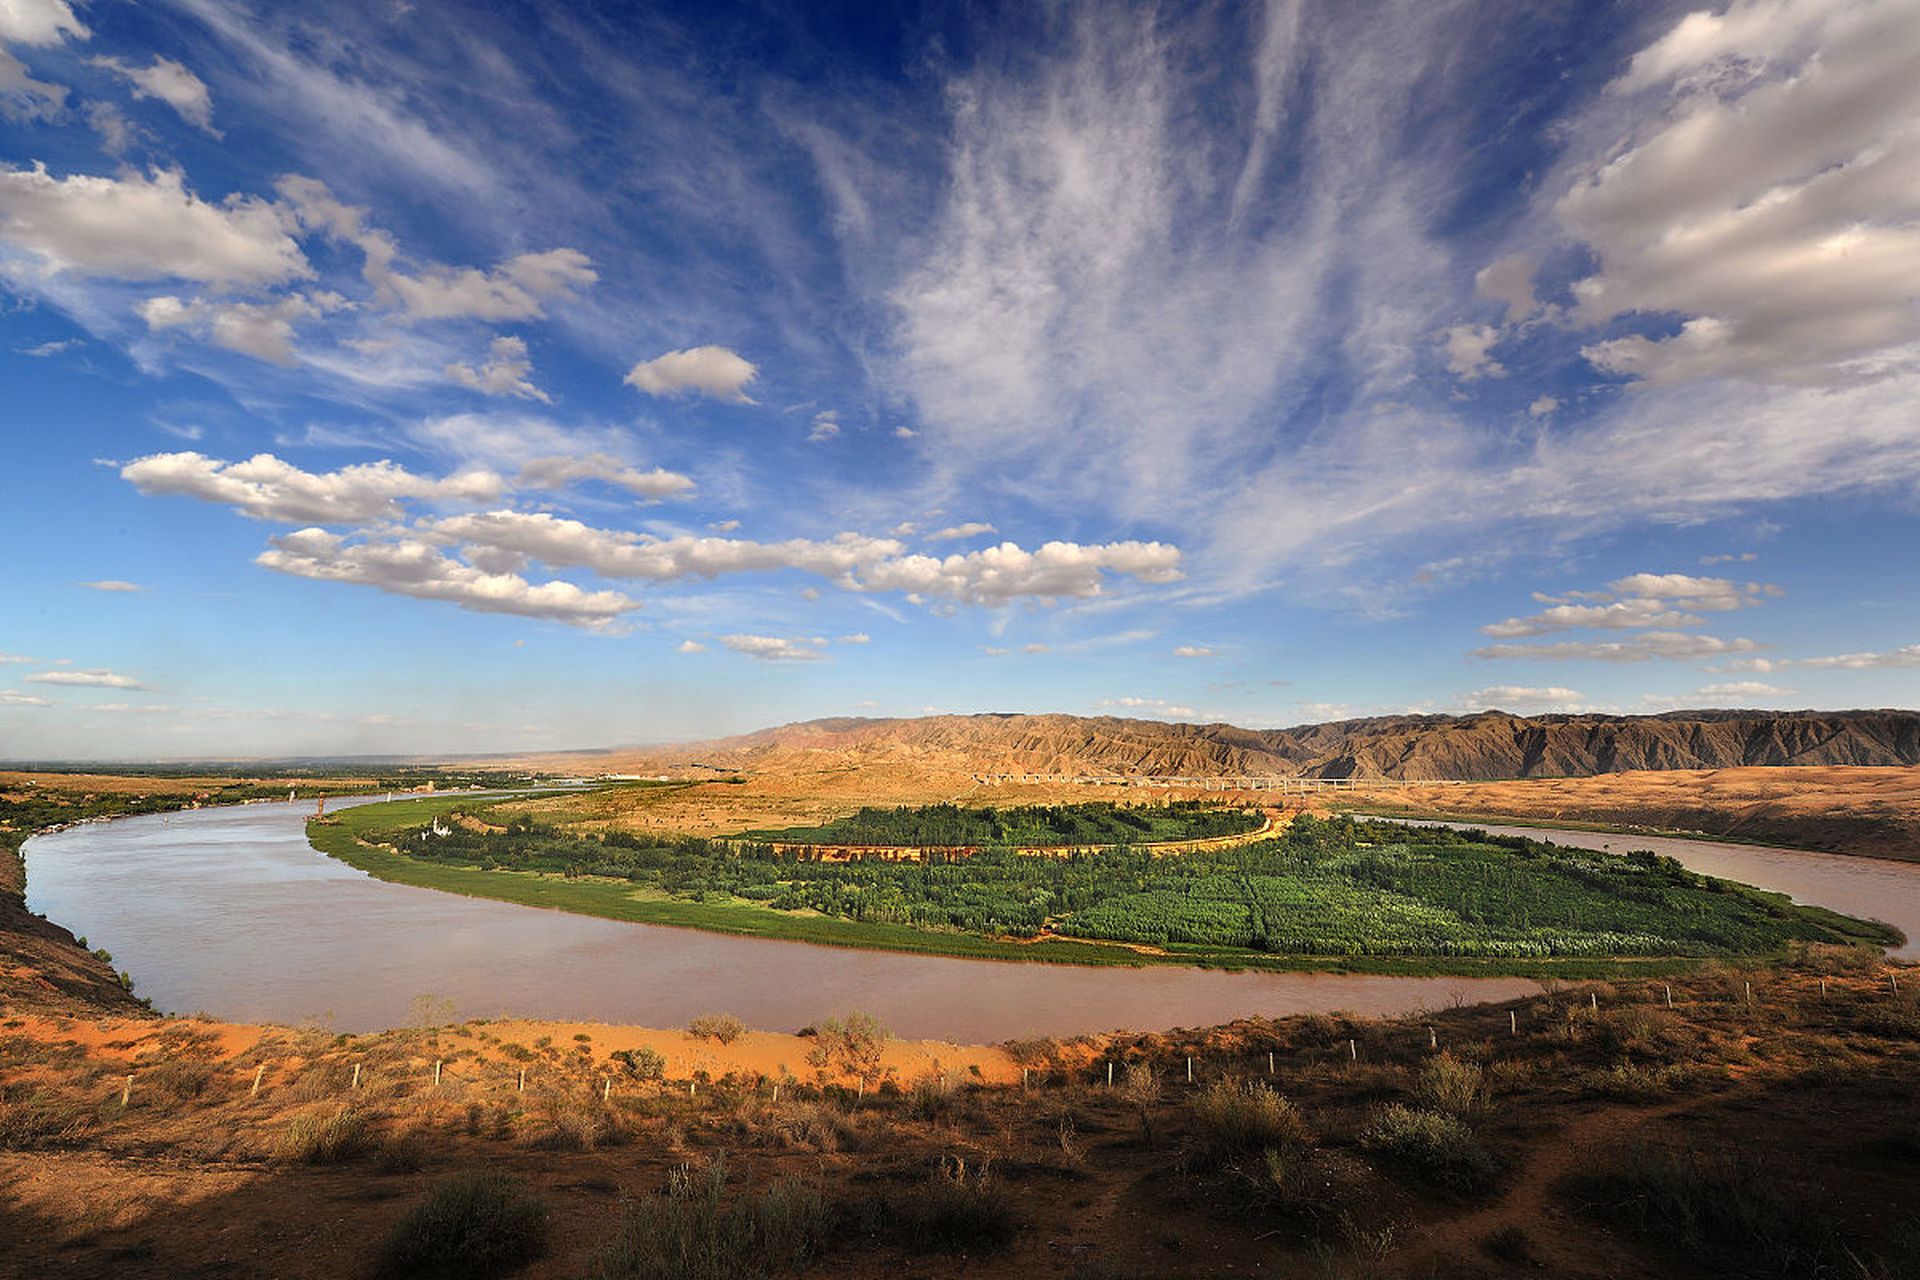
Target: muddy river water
{"points": [[231, 912]]}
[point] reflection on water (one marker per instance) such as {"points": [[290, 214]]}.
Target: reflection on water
{"points": [[230, 911]]}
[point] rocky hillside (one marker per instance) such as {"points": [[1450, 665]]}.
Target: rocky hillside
{"points": [[1489, 745]]}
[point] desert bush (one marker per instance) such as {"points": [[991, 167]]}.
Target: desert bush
{"points": [[642, 1063], [572, 1124], [1440, 1147], [1639, 1030], [183, 1079], [1451, 1086], [959, 1208], [932, 1096], [692, 1233], [723, 1027], [40, 1118], [1896, 1018], [1231, 1121], [324, 1135], [1629, 1082], [1719, 1206], [854, 1046], [401, 1152], [1509, 1244], [1141, 1088], [470, 1224]]}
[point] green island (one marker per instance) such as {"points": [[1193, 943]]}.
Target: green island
{"points": [[1031, 826], [1352, 895]]}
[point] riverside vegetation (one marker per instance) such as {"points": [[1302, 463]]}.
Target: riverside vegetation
{"points": [[1359, 894]]}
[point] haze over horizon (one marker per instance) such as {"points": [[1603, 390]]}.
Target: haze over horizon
{"points": [[429, 378]]}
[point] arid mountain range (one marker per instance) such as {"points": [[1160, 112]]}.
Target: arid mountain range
{"points": [[1486, 746]]}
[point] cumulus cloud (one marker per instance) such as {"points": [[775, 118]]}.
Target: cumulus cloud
{"points": [[826, 425], [1637, 600], [411, 567], [971, 529], [1908, 656], [1648, 645], [1157, 707], [690, 646], [95, 678], [14, 698], [707, 371], [1741, 689], [1192, 651], [562, 470], [1770, 204], [1542, 406], [1505, 697], [36, 24], [858, 637], [504, 373], [514, 290], [112, 585], [775, 648], [171, 83], [1469, 352], [145, 227], [263, 330], [266, 488]]}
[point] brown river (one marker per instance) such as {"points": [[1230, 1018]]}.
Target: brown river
{"points": [[230, 911]]}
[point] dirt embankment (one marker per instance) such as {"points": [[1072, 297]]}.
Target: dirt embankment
{"points": [[42, 966], [1873, 812]]}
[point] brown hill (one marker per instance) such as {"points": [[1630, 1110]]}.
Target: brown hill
{"points": [[1489, 745]]}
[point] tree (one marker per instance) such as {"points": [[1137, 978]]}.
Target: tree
{"points": [[855, 1046]]}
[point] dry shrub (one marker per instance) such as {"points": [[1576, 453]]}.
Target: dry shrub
{"points": [[692, 1233], [1441, 1148], [1231, 1122], [472, 1224], [182, 1079], [324, 1135], [1449, 1085], [960, 1208], [573, 1124], [723, 1027], [40, 1118], [1629, 1082]]}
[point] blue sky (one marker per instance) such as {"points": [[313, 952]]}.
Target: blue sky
{"points": [[436, 377]]}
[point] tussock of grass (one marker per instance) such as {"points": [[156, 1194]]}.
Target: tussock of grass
{"points": [[1720, 1207], [960, 1208], [1440, 1147], [40, 1118], [693, 1233], [1451, 1086], [324, 1136], [471, 1224], [1231, 1122]]}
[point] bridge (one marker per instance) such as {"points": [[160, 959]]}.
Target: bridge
{"points": [[1281, 784]]}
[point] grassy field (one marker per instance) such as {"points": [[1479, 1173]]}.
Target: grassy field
{"points": [[1185, 928]]}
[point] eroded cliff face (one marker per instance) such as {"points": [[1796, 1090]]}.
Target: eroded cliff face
{"points": [[1490, 745]]}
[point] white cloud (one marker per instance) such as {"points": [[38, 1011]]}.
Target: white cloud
{"points": [[1469, 352], [1192, 651], [46, 349], [1637, 600], [774, 648], [1672, 645], [1728, 559], [561, 470], [503, 374], [1509, 281], [858, 637], [263, 330], [145, 227], [1768, 202], [14, 698], [1909, 656], [904, 433], [171, 83], [723, 526], [709, 371], [971, 529], [514, 290], [266, 488], [826, 425], [34, 23], [112, 584], [1542, 406], [410, 567], [1741, 689], [690, 646], [1506, 697], [1157, 707], [95, 678]]}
